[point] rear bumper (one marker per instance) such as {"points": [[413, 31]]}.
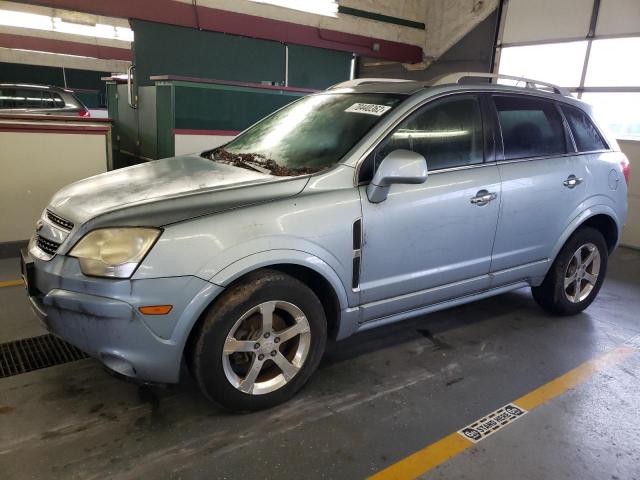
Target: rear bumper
{"points": [[101, 316]]}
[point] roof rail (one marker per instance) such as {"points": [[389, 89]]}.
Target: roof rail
{"points": [[529, 83], [363, 81]]}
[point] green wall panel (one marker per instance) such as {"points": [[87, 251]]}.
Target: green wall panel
{"points": [[165, 121], [225, 108], [311, 67], [166, 49], [19, 73]]}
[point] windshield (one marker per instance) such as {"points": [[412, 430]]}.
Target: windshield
{"points": [[309, 135]]}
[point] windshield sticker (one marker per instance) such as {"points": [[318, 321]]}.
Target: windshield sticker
{"points": [[368, 108]]}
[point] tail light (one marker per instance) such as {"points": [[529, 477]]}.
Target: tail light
{"points": [[84, 113], [626, 168]]}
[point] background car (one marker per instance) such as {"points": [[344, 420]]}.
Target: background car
{"points": [[40, 100]]}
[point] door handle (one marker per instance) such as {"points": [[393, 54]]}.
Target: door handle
{"points": [[483, 197], [572, 181]]}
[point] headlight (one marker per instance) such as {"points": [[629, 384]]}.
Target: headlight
{"points": [[114, 252]]}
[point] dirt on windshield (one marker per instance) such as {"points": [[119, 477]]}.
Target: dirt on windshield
{"points": [[252, 160]]}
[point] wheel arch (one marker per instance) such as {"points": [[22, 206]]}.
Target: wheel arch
{"points": [[601, 217], [310, 270]]}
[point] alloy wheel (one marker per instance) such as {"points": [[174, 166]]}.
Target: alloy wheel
{"points": [[582, 273], [266, 348]]}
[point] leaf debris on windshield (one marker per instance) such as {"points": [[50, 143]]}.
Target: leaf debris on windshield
{"points": [[258, 162]]}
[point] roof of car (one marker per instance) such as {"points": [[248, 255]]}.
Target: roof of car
{"points": [[33, 85], [452, 81]]}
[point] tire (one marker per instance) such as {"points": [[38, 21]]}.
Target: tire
{"points": [[234, 342], [583, 284]]}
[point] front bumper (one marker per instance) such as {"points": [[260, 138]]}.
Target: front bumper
{"points": [[101, 317]]}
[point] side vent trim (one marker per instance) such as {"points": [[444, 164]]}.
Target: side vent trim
{"points": [[357, 245]]}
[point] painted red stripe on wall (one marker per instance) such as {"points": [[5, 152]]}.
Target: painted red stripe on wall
{"points": [[31, 128], [191, 131], [40, 44]]}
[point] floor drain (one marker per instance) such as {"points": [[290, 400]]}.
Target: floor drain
{"points": [[28, 354]]}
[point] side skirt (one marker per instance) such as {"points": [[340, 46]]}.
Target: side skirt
{"points": [[378, 322]]}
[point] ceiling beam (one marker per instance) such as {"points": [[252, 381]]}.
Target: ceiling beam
{"points": [[213, 19]]}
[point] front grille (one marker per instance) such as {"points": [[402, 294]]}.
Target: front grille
{"points": [[61, 222], [21, 356], [47, 246]]}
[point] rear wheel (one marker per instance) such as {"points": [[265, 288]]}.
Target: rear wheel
{"points": [[576, 275], [260, 342]]}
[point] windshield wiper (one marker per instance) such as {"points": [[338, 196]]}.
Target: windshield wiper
{"points": [[259, 163]]}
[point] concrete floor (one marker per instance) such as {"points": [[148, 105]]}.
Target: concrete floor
{"points": [[377, 398]]}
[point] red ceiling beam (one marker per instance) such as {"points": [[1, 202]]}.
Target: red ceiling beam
{"points": [[184, 14], [41, 44]]}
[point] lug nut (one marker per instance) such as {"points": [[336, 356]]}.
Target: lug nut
{"points": [[256, 346], [261, 357], [276, 340], [273, 353], [266, 335]]}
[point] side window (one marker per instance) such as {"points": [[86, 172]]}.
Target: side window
{"points": [[57, 100], [448, 133], [530, 127], [584, 132], [47, 100], [8, 98], [27, 98]]}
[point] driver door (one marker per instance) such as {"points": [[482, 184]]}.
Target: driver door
{"points": [[431, 242]]}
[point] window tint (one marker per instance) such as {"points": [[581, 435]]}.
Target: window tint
{"points": [[530, 127], [29, 98], [447, 133], [8, 98], [584, 132], [57, 100]]}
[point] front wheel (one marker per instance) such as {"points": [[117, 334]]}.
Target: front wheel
{"points": [[575, 278], [260, 342]]}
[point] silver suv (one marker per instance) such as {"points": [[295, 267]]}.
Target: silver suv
{"points": [[18, 98], [362, 205]]}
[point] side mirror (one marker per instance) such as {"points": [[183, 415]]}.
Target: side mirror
{"points": [[400, 166]]}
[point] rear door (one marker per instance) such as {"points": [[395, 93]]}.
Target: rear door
{"points": [[543, 184]]}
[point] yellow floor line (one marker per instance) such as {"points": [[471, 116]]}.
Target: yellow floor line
{"points": [[448, 447], [11, 283]]}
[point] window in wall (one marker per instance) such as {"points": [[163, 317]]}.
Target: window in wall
{"points": [[584, 132], [447, 133], [617, 111], [530, 128], [559, 63], [614, 62]]}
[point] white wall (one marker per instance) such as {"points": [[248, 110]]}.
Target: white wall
{"points": [[34, 166], [198, 143], [631, 232]]}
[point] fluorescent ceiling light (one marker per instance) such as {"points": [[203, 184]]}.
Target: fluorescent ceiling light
{"points": [[12, 18], [328, 8]]}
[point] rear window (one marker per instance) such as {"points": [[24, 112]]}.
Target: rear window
{"points": [[584, 131], [530, 127]]}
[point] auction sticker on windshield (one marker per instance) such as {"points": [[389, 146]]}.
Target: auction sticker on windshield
{"points": [[368, 108]]}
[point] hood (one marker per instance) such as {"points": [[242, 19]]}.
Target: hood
{"points": [[166, 191]]}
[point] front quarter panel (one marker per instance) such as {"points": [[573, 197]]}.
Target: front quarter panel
{"points": [[313, 229]]}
